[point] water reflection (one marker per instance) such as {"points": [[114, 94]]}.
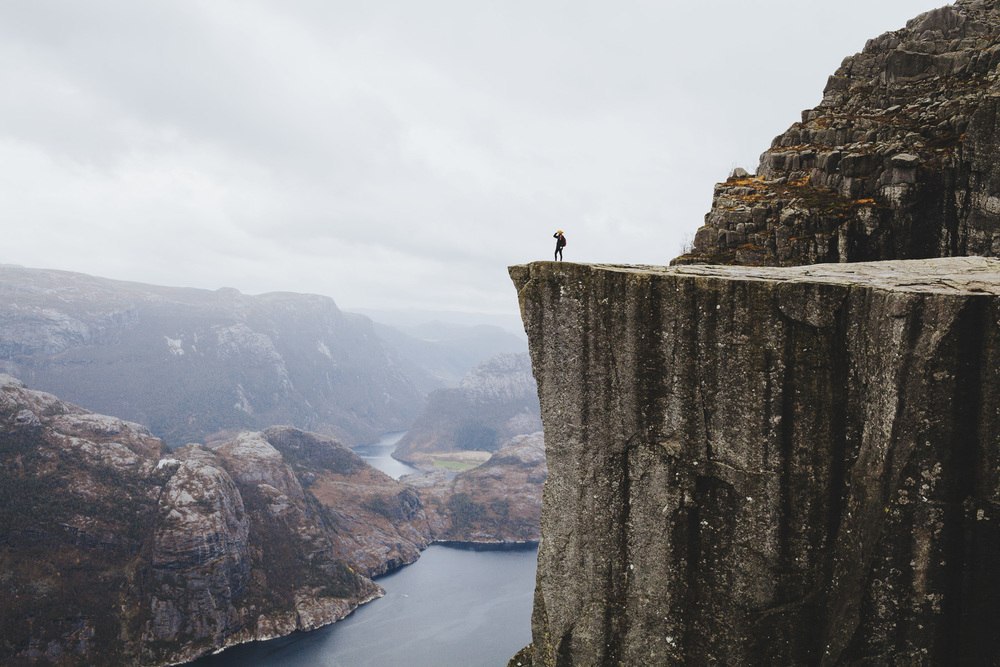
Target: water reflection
{"points": [[379, 455]]}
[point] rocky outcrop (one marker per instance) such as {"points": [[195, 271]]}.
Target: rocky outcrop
{"points": [[376, 523], [767, 465], [190, 363], [897, 161], [493, 403], [497, 502], [116, 551]]}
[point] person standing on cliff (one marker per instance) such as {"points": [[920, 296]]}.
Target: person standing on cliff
{"points": [[560, 244]]}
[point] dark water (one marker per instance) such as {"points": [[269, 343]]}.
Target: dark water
{"points": [[453, 607]]}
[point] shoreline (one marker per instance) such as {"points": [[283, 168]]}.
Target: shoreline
{"points": [[526, 545]]}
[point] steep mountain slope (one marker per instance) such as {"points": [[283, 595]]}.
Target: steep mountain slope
{"points": [[114, 551], [376, 523], [188, 363], [499, 501], [898, 161]]}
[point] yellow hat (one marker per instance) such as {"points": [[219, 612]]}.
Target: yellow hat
{"points": [[559, 231]]}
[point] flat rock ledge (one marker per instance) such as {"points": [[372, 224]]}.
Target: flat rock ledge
{"points": [[767, 465]]}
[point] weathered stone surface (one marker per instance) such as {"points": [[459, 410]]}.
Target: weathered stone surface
{"points": [[115, 551], [897, 161], [767, 465], [375, 523]]}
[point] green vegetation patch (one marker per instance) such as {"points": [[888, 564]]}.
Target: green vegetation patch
{"points": [[454, 465]]}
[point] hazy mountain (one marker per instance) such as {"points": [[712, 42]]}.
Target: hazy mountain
{"points": [[420, 322], [188, 363], [438, 354], [496, 401]]}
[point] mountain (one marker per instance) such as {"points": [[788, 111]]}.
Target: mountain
{"points": [[376, 523], [419, 322], [898, 161], [436, 354], [497, 502], [495, 402], [118, 551], [190, 363]]}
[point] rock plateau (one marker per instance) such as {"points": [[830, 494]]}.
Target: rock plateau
{"points": [[760, 466]]}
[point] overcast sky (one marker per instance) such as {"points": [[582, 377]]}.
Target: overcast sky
{"points": [[391, 154]]}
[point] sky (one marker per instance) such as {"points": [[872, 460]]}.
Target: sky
{"points": [[391, 154]]}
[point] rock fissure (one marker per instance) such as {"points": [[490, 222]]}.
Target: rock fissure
{"points": [[960, 605]]}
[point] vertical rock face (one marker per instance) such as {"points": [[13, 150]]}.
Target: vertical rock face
{"points": [[897, 161], [767, 466]]}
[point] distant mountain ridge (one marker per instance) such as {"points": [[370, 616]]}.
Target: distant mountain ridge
{"points": [[188, 363], [439, 355]]}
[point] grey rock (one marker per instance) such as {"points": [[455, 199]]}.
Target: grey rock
{"points": [[916, 108], [908, 160], [118, 552], [755, 466]]}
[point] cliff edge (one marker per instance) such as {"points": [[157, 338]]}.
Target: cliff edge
{"points": [[767, 465]]}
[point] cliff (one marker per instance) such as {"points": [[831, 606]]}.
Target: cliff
{"points": [[767, 465], [375, 523], [896, 162], [189, 363]]}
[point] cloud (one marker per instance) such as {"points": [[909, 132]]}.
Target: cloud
{"points": [[388, 153]]}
